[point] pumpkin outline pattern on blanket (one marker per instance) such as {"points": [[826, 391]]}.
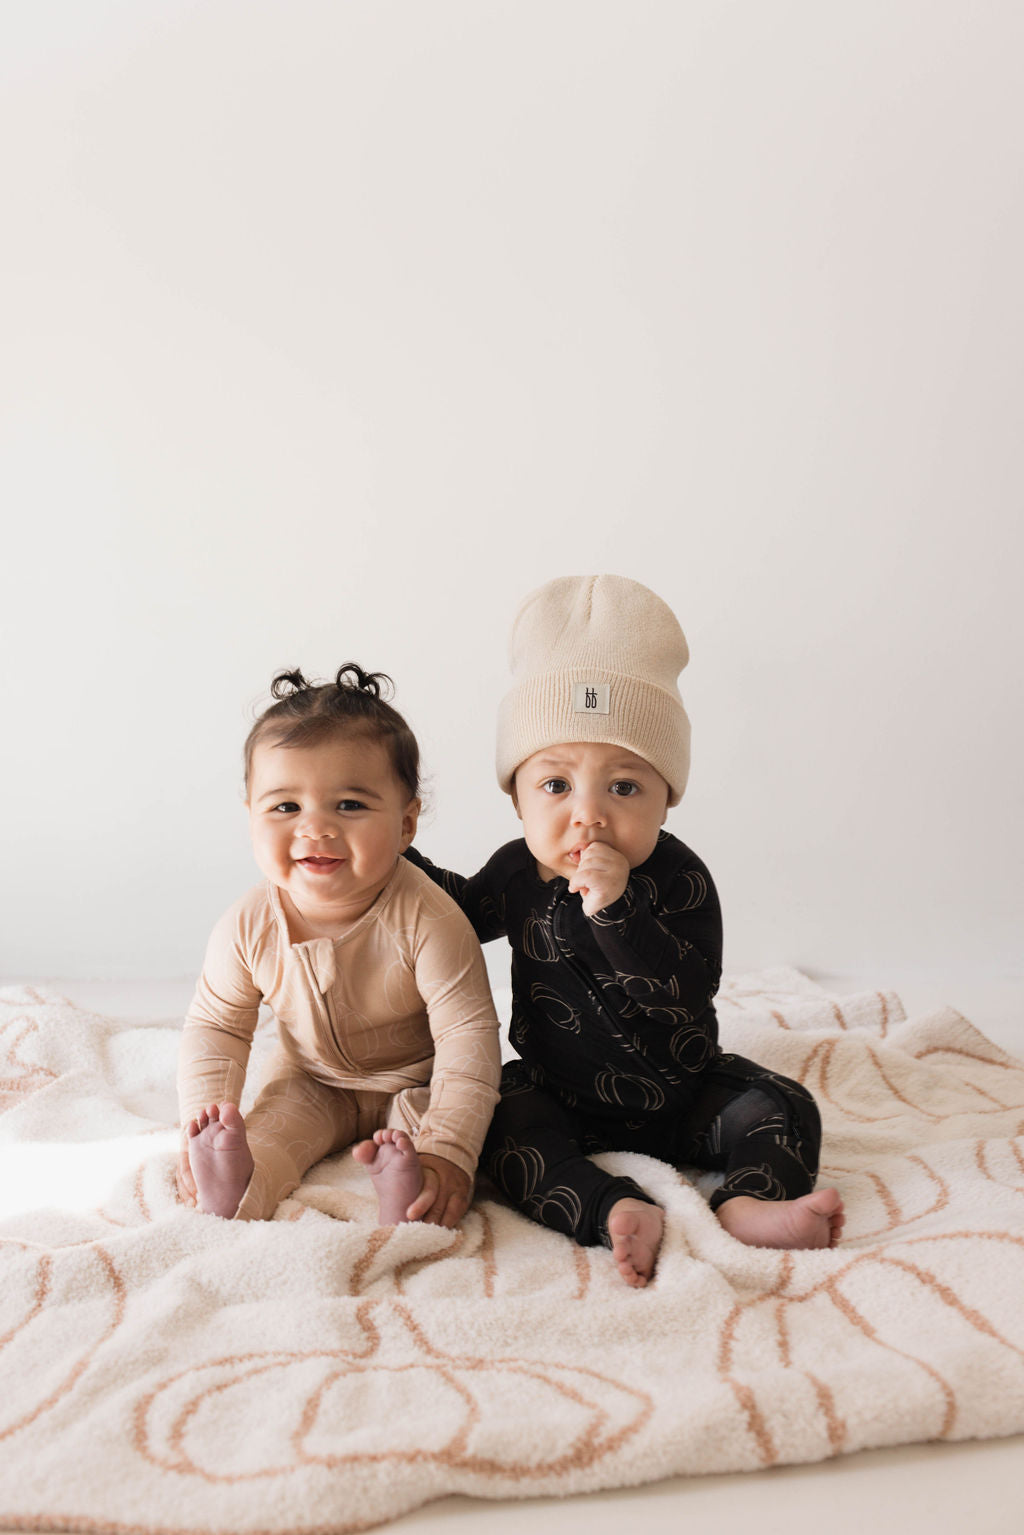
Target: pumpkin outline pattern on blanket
{"points": [[418, 1349]]}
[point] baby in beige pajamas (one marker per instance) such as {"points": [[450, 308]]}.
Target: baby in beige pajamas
{"points": [[387, 1035]]}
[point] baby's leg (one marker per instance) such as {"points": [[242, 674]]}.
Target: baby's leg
{"points": [[390, 1159], [220, 1159], [294, 1123], [770, 1135], [533, 1153]]}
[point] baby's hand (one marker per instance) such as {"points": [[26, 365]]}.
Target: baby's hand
{"points": [[601, 877], [444, 1198]]}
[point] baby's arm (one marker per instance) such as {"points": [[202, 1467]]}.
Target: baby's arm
{"points": [[478, 895], [466, 1074], [665, 945], [217, 1037]]}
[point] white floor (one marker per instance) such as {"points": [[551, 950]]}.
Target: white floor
{"points": [[976, 1488]]}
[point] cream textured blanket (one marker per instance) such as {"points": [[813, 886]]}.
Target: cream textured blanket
{"points": [[166, 1371]]}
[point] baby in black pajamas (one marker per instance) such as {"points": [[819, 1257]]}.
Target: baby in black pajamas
{"points": [[616, 942]]}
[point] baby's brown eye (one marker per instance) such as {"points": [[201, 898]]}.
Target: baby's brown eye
{"points": [[624, 789], [555, 785]]}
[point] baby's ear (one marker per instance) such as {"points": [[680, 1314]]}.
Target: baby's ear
{"points": [[410, 820]]}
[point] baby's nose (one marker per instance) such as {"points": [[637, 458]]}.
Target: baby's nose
{"points": [[586, 810], [316, 825]]}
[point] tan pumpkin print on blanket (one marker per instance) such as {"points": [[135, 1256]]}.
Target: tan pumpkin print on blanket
{"points": [[166, 1371]]}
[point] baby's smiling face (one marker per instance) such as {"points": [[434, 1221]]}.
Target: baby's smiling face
{"points": [[328, 822]]}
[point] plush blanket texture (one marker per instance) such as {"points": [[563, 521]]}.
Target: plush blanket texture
{"points": [[165, 1371]]}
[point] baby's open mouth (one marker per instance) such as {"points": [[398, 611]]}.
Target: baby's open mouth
{"points": [[320, 865]]}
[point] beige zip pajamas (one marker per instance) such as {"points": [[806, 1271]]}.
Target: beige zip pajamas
{"points": [[390, 1025]]}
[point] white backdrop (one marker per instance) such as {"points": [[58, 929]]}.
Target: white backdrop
{"points": [[332, 327]]}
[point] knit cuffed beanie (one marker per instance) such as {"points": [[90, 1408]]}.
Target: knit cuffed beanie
{"points": [[596, 658]]}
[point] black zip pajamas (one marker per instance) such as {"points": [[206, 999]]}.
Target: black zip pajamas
{"points": [[613, 1018]]}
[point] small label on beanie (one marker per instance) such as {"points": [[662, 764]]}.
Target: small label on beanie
{"points": [[592, 698]]}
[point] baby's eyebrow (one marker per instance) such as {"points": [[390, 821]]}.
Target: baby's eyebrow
{"points": [[344, 793]]}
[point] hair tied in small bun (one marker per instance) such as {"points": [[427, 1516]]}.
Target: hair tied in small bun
{"points": [[287, 684], [376, 684]]}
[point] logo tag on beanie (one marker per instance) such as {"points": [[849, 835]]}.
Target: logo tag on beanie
{"points": [[592, 698]]}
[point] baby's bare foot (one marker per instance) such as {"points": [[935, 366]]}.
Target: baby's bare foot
{"points": [[815, 1220], [391, 1160], [220, 1159], [635, 1230]]}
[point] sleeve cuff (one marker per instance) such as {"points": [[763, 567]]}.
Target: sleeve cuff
{"points": [[617, 913]]}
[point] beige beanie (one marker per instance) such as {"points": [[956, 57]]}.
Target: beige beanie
{"points": [[596, 658]]}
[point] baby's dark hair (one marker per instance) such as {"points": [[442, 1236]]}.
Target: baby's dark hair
{"points": [[306, 713]]}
